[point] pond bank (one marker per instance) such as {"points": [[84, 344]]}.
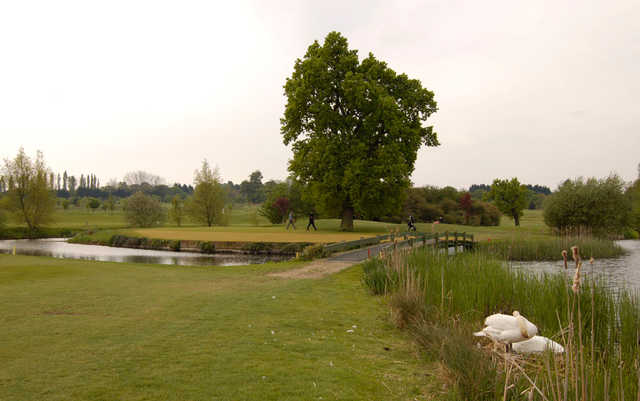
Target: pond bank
{"points": [[206, 247], [60, 248]]}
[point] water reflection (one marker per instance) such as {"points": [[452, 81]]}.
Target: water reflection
{"points": [[621, 272], [59, 248]]}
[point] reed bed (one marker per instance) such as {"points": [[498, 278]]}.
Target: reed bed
{"points": [[549, 249], [443, 299]]}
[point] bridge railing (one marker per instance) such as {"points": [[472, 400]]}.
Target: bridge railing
{"points": [[438, 239]]}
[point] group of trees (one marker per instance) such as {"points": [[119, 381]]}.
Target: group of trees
{"points": [[603, 207], [206, 205], [355, 127], [448, 205], [536, 194]]}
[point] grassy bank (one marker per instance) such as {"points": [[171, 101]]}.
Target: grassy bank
{"points": [[442, 300], [539, 249], [97, 331]]}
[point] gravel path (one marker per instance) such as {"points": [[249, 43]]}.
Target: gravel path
{"points": [[322, 267]]}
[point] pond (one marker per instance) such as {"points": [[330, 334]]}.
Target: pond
{"points": [[621, 272], [59, 248]]}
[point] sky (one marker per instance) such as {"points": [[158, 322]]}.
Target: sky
{"points": [[539, 90]]}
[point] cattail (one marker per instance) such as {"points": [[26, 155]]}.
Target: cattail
{"points": [[575, 254], [576, 279], [564, 258]]}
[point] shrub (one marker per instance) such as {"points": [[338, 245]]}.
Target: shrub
{"points": [[293, 248], [257, 247], [143, 211], [630, 233], [595, 205], [313, 251], [207, 247], [158, 243], [174, 246]]}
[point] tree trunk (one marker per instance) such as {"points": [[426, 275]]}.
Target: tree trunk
{"points": [[347, 219], [516, 218]]}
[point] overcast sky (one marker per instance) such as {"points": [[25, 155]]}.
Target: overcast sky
{"points": [[539, 90]]}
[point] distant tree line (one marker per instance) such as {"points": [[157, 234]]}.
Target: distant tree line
{"points": [[535, 195]]}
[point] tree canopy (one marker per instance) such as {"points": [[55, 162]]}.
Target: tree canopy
{"points": [[510, 197], [29, 197], [597, 205], [355, 128], [207, 203], [143, 211]]}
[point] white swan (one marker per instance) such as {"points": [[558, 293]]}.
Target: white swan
{"points": [[507, 329], [537, 344]]}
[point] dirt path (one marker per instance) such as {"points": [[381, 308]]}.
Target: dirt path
{"points": [[316, 269], [333, 264]]}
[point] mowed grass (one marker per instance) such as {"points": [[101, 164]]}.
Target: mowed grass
{"points": [[328, 231], [242, 227], [531, 225], [106, 331], [76, 217]]}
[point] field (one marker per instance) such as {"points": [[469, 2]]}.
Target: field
{"points": [[98, 331], [246, 226]]}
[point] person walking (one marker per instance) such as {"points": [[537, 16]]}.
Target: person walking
{"points": [[410, 224], [290, 220], [312, 222]]}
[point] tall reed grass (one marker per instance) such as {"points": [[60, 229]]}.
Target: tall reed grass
{"points": [[540, 249], [443, 299]]}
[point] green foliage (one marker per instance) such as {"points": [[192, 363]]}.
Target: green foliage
{"points": [[633, 194], [258, 247], [532, 249], [355, 129], [294, 247], [313, 251], [428, 204], [143, 211], [510, 197], [598, 206], [207, 247], [3, 218], [29, 198], [208, 200], [176, 211], [253, 190], [291, 193], [458, 292], [93, 203]]}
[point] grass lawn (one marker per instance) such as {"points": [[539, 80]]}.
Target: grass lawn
{"points": [[328, 231], [105, 331], [242, 228], [531, 225]]}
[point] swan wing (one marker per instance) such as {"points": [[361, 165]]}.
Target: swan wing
{"points": [[537, 344], [501, 322]]}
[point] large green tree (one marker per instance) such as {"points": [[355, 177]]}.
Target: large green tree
{"points": [[510, 197], [29, 197], [355, 128], [207, 203]]}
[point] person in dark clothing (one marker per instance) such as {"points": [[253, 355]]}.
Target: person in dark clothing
{"points": [[410, 224], [312, 222]]}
